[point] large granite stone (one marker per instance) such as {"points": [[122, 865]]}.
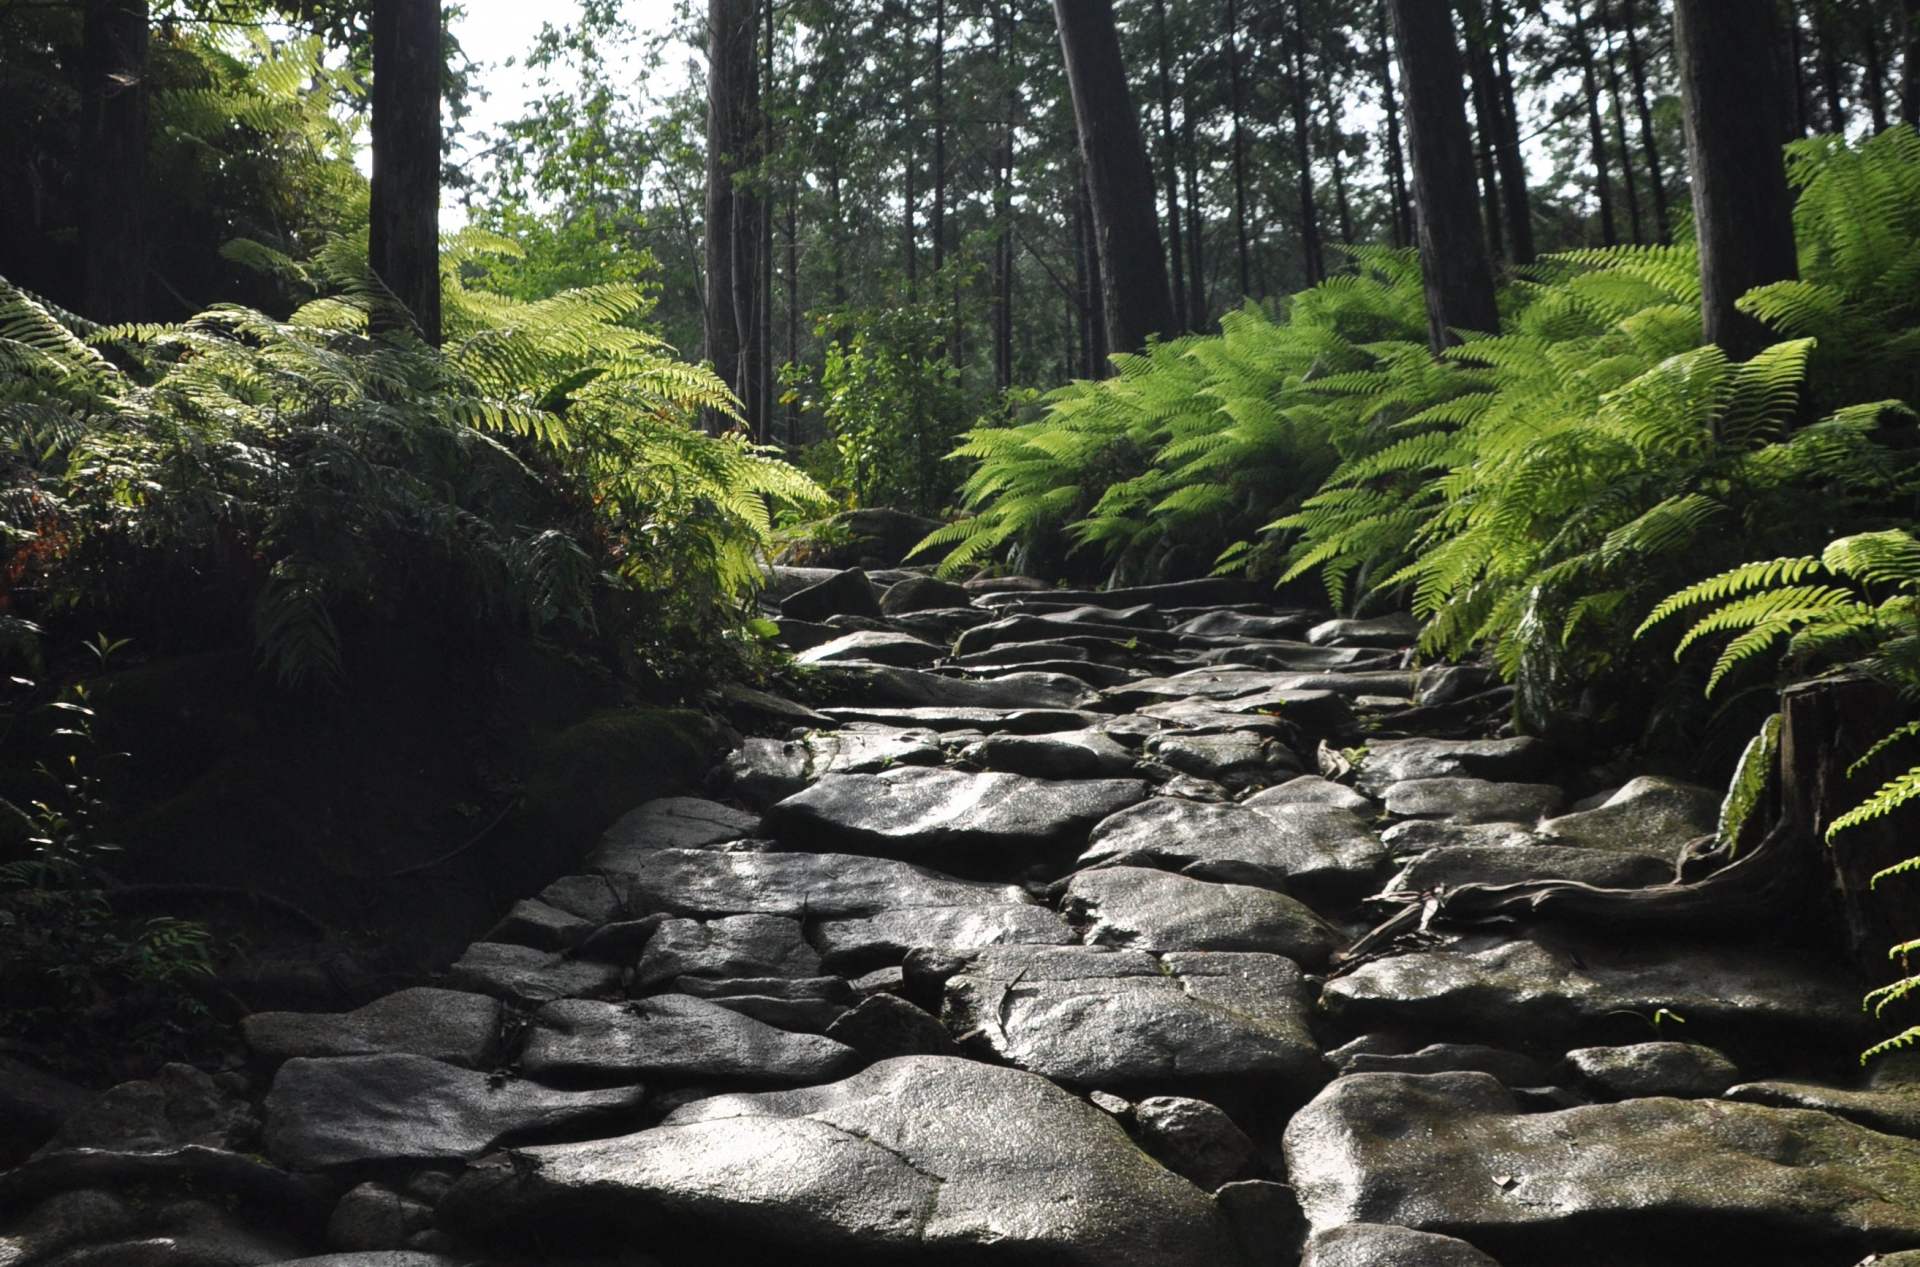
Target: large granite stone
{"points": [[1205, 1024], [1894, 1108], [950, 818], [1471, 800], [859, 945], [1311, 789], [1637, 1070], [847, 593], [521, 974], [179, 1107], [323, 1113], [1194, 1139], [1451, 867], [1312, 851], [671, 1037], [864, 647], [731, 946], [1416, 836], [1384, 1245], [1142, 909], [1397, 630], [874, 684], [1390, 761], [763, 771], [1017, 721], [1482, 989], [678, 822], [448, 1025], [703, 884], [922, 593], [1244, 626], [920, 1160], [1646, 1181], [1071, 754], [1237, 759], [1648, 815]]}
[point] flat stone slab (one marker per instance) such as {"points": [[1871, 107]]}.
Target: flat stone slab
{"points": [[704, 884], [1310, 851], [446, 1025], [1311, 789], [1416, 836], [523, 974], [678, 822], [1017, 721], [1126, 1020], [1453, 866], [1481, 989], [1616, 1183], [869, 684], [1892, 1109], [671, 1037], [731, 946], [1072, 754], [856, 946], [1245, 626], [949, 817], [1471, 800], [1384, 1245], [1235, 758], [921, 1159], [1142, 909], [763, 771], [1638, 1070], [1390, 761], [866, 647], [1648, 815], [1397, 630], [323, 1113]]}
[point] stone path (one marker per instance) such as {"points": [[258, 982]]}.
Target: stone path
{"points": [[1023, 944]]}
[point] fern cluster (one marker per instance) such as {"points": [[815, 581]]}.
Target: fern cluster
{"points": [[544, 471], [1856, 604]]}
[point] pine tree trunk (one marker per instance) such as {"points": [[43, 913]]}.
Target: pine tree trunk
{"points": [[1312, 254], [1826, 43], [1618, 112], [793, 305], [1133, 268], [1237, 107], [1596, 132], [1343, 205], [910, 229], [1728, 53], [1453, 251], [763, 237], [1649, 143], [1201, 311], [1512, 162], [404, 225], [1874, 57], [1170, 163], [113, 234], [1910, 62], [1795, 53], [1003, 203], [1487, 120], [939, 225], [1396, 155]]}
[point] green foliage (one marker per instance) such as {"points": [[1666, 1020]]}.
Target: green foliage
{"points": [[893, 404], [543, 472]]}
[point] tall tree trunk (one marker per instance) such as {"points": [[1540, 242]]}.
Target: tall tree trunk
{"points": [[1133, 269], [732, 218], [1910, 62], [1649, 143], [1170, 162], [1487, 117], [939, 225], [1596, 131], [763, 238], [1827, 46], [1616, 99], [910, 231], [404, 225], [1237, 107], [1795, 52], [1003, 202], [1312, 254], [1453, 251], [793, 305], [1507, 152], [1728, 52], [113, 234], [1201, 309], [1396, 156], [1343, 205], [1874, 56]]}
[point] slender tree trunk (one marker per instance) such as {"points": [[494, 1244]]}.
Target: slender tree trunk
{"points": [[1085, 278], [1616, 99], [1237, 106], [939, 225], [113, 231], [1170, 163], [1003, 202], [1507, 152], [1133, 269], [1910, 62], [1795, 51], [1396, 155], [1200, 310], [1487, 114], [1874, 56], [1453, 252], [836, 213], [732, 210], [1343, 205], [1312, 254], [793, 305], [1649, 143], [404, 223], [1826, 44], [1596, 131], [910, 232], [1742, 208]]}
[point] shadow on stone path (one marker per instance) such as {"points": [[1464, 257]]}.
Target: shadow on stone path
{"points": [[1017, 950]]}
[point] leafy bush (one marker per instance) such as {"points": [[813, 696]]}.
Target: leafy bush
{"points": [[544, 472]]}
